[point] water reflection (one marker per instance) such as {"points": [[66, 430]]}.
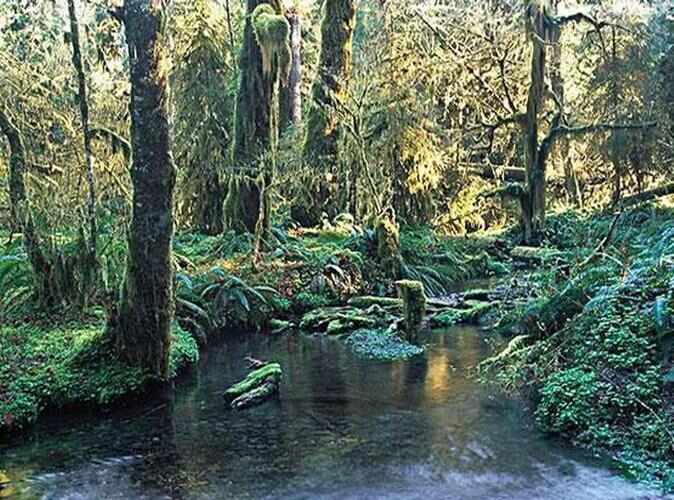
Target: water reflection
{"points": [[343, 428]]}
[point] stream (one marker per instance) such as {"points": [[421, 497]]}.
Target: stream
{"points": [[344, 428]]}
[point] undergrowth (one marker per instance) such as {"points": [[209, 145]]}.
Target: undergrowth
{"points": [[595, 351], [70, 364]]}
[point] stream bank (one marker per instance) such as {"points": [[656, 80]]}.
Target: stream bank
{"points": [[343, 428]]}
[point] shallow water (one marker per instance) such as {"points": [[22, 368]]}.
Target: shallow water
{"points": [[344, 428]]}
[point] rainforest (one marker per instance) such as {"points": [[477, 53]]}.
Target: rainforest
{"points": [[321, 249]]}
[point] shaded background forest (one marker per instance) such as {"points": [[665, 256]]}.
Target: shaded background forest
{"points": [[429, 112]]}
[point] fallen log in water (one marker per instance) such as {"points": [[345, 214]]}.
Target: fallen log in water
{"points": [[258, 386]]}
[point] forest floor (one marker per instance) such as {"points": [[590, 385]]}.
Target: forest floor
{"points": [[587, 319]]}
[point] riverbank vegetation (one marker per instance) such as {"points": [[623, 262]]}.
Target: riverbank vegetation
{"points": [[174, 171]]}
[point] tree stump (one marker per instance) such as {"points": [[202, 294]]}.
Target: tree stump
{"points": [[414, 307]]}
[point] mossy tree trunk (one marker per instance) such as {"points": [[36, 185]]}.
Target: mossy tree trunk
{"points": [[290, 101], [329, 89], [533, 214], [414, 307], [21, 218], [17, 170], [387, 233], [255, 125], [140, 328], [90, 265], [557, 82], [667, 73]]}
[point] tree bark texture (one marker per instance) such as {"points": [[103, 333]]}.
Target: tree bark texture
{"points": [[141, 326], [328, 92], [290, 101]]}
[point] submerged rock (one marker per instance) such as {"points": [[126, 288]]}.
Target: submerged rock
{"points": [[381, 345]]}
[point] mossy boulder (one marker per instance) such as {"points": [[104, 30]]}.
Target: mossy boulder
{"points": [[339, 320], [471, 312]]}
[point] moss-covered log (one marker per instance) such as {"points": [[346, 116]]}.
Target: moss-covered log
{"points": [[414, 306], [140, 328], [329, 90], [264, 57], [258, 386]]}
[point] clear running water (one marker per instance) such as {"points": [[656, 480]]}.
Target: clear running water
{"points": [[344, 428]]}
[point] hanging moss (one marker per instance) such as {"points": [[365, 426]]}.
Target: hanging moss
{"points": [[272, 33], [264, 56]]}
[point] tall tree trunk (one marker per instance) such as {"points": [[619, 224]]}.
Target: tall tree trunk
{"points": [[533, 215], [557, 81], [91, 263], [141, 327], [255, 124], [615, 134], [329, 90], [666, 79], [290, 101]]}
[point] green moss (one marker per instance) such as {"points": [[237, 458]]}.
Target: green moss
{"points": [[66, 365], [338, 320], [455, 315], [414, 306], [381, 345], [253, 380], [272, 33], [598, 344]]}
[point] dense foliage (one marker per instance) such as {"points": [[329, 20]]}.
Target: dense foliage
{"points": [[159, 188]]}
